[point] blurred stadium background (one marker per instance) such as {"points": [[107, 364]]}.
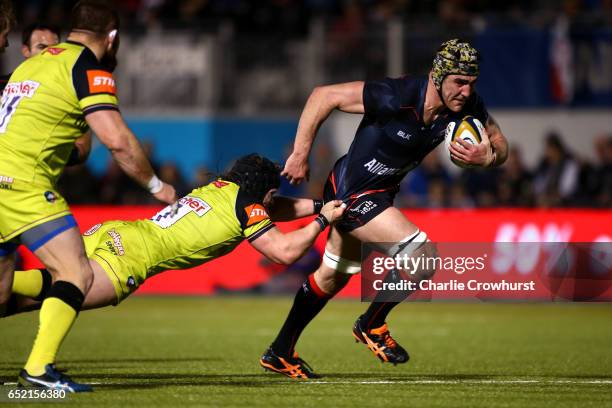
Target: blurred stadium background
{"points": [[203, 82]]}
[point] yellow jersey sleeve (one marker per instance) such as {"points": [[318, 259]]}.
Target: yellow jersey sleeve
{"points": [[94, 85]]}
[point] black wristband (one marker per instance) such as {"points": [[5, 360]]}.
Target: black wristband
{"points": [[322, 221], [318, 204]]}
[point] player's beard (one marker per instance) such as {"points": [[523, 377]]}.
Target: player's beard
{"points": [[109, 60]]}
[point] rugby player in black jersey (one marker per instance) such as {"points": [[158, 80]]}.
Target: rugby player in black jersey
{"points": [[403, 120]]}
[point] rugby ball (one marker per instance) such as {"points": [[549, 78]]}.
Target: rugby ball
{"points": [[468, 129]]}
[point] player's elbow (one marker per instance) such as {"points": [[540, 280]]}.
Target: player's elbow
{"points": [[319, 94], [117, 144], [284, 255], [285, 258]]}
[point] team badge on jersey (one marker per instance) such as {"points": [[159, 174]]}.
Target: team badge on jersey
{"points": [[50, 196], [255, 213], [92, 230], [101, 82], [220, 183], [54, 50]]}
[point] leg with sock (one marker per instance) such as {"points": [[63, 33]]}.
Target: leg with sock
{"points": [[308, 302], [33, 283], [63, 253], [371, 327], [377, 312], [57, 314]]}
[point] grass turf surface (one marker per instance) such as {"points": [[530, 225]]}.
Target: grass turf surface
{"points": [[205, 351]]}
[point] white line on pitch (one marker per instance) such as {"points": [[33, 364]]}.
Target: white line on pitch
{"points": [[464, 382]]}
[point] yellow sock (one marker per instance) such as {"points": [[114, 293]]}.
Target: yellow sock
{"points": [[28, 283], [56, 318]]}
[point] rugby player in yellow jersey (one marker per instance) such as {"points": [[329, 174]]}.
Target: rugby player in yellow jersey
{"points": [[211, 221], [49, 102]]}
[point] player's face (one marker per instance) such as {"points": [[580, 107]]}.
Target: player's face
{"points": [[456, 89], [4, 40], [39, 40]]}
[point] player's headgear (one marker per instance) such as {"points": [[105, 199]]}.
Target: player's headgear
{"points": [[256, 175], [454, 57]]}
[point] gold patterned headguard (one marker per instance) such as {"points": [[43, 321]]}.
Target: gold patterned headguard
{"points": [[454, 57]]}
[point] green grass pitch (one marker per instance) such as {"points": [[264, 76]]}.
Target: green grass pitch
{"points": [[154, 351]]}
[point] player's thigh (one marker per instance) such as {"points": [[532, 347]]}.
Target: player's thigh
{"points": [[64, 256], [389, 226], [398, 236], [102, 292]]}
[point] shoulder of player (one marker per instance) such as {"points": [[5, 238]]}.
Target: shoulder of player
{"points": [[85, 58], [411, 89], [249, 210]]}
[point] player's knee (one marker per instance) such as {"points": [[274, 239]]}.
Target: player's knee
{"points": [[80, 275], [330, 282], [335, 272], [429, 252], [417, 245]]}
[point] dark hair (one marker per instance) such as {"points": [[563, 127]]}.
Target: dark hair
{"points": [[26, 34], [256, 175], [94, 15], [7, 16]]}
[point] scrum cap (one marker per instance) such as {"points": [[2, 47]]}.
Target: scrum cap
{"points": [[454, 57]]}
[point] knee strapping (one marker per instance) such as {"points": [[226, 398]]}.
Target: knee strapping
{"points": [[409, 245], [339, 264]]}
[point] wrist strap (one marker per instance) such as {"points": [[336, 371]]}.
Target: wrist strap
{"points": [[322, 221], [155, 185], [318, 204]]}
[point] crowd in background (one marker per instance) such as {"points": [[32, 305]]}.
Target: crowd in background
{"points": [[291, 17], [560, 179]]}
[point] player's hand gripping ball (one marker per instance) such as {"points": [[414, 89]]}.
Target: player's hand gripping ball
{"points": [[468, 129]]}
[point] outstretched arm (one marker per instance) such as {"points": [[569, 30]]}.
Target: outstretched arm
{"points": [[111, 129], [288, 248], [290, 208], [347, 97]]}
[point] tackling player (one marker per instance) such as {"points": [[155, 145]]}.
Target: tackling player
{"points": [[211, 221], [48, 103], [403, 120]]}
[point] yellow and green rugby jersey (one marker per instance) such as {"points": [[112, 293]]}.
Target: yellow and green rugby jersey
{"points": [[211, 221], [43, 109]]}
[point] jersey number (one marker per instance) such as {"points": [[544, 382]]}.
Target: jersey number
{"points": [[7, 109]]}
